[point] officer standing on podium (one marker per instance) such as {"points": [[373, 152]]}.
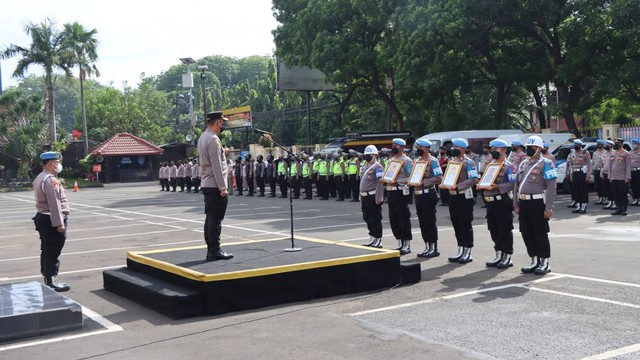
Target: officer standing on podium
{"points": [[534, 195], [372, 195], [500, 206], [427, 198], [213, 170], [51, 218]]}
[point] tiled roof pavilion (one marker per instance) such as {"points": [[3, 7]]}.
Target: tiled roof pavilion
{"points": [[125, 144]]}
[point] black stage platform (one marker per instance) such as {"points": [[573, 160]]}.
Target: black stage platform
{"points": [[180, 283]]}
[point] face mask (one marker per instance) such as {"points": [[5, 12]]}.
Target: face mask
{"points": [[368, 158], [607, 148], [495, 155], [443, 153], [58, 168], [531, 151], [395, 151], [485, 152], [455, 152], [222, 126], [599, 146], [544, 151], [616, 146], [577, 147], [419, 152]]}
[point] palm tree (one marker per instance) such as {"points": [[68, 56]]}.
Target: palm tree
{"points": [[46, 50], [84, 46]]}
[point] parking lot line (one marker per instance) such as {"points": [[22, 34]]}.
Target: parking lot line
{"points": [[615, 353], [583, 297], [109, 327]]}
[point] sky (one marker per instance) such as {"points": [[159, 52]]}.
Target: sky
{"points": [[145, 37]]}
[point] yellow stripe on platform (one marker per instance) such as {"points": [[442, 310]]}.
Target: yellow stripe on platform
{"points": [[380, 254]]}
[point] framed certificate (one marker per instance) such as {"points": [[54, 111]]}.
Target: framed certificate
{"points": [[489, 176], [450, 178], [417, 174], [392, 171]]}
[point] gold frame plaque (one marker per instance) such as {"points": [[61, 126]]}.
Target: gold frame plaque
{"points": [[450, 178], [392, 171], [417, 173], [490, 175]]}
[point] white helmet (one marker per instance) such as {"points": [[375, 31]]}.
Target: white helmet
{"points": [[534, 141], [371, 149]]}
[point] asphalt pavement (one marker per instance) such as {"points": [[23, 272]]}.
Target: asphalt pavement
{"points": [[588, 307]]}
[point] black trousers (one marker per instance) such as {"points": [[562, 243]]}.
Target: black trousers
{"points": [[215, 207], [355, 186], [295, 186], [635, 184], [606, 184], [173, 183], [282, 181], [372, 215], [619, 191], [599, 182], [308, 192], [162, 184], [534, 228], [444, 196], [399, 215], [426, 209], [239, 185], [181, 183], [260, 183], [250, 184], [500, 223], [196, 184], [322, 186], [331, 186], [51, 244], [580, 189], [188, 182], [461, 213], [272, 186]]}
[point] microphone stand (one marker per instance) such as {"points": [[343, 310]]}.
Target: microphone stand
{"points": [[293, 247]]}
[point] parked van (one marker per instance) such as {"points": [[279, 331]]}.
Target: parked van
{"points": [[554, 140], [476, 138]]}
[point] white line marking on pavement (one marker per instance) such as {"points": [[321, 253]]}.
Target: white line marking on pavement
{"points": [[108, 325], [62, 273], [612, 282], [614, 353], [583, 297], [453, 296]]}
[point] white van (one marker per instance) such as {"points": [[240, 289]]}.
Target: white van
{"points": [[554, 140], [476, 138]]}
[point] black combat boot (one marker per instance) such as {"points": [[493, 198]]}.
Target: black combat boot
{"points": [[532, 267], [457, 256], [543, 268], [466, 256], [496, 260], [53, 283], [506, 262]]}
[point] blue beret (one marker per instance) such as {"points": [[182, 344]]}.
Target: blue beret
{"points": [[636, 140], [498, 143], [49, 155], [600, 142], [399, 141], [423, 142], [544, 144], [578, 142], [516, 143], [460, 142]]}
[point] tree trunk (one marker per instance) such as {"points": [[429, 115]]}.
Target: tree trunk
{"points": [[501, 93], [563, 93], [51, 115], [539, 108], [388, 99]]}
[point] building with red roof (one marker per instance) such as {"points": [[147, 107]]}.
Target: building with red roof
{"points": [[126, 158]]}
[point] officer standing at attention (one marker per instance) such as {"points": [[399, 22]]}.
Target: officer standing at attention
{"points": [[323, 177], [596, 165], [635, 172], [620, 176], [517, 155], [180, 175], [372, 195], [51, 218], [399, 213], [306, 176], [427, 198], [187, 175], [579, 170], [261, 174], [161, 176], [213, 166], [195, 175], [500, 206], [606, 165], [173, 172], [461, 201], [546, 154], [339, 176], [249, 173], [271, 175], [295, 174], [314, 171], [533, 199], [353, 166], [282, 175]]}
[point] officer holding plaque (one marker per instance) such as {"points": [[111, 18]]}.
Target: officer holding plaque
{"points": [[459, 179], [425, 175], [497, 184], [395, 178]]}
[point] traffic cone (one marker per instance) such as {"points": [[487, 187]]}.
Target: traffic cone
{"points": [[75, 186]]}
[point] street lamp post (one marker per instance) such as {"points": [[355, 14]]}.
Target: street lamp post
{"points": [[203, 76], [187, 82]]}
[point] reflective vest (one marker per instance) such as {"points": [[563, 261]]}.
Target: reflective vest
{"points": [[331, 164], [281, 168], [305, 169], [337, 170], [353, 167], [315, 165], [294, 169], [322, 168]]}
